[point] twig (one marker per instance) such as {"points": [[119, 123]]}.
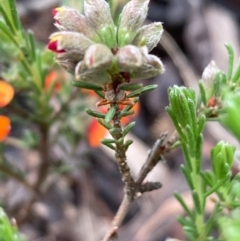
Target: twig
{"points": [[42, 171], [121, 156], [153, 158], [121, 213], [16, 176]]}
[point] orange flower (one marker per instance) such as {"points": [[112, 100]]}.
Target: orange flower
{"points": [[6, 95], [5, 127], [96, 131], [53, 76]]}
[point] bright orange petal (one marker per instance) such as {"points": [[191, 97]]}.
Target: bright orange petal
{"points": [[5, 127], [6, 93], [53, 77], [96, 132]]}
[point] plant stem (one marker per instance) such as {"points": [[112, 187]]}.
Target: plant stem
{"points": [[121, 155]]}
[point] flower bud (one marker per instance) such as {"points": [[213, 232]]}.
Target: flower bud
{"points": [[148, 35], [83, 73], [222, 159], [68, 61], [68, 19], [151, 67], [98, 56], [209, 74], [132, 17], [129, 57], [98, 13], [69, 41]]}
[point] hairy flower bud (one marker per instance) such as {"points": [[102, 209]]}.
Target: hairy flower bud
{"points": [[98, 56], [132, 17], [98, 13], [83, 73], [149, 35], [68, 19], [151, 67], [69, 42], [128, 58], [209, 73]]}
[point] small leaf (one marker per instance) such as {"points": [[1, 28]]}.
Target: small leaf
{"points": [[104, 123], [183, 204], [131, 87], [236, 76], [114, 131], [85, 85], [217, 186], [100, 93], [127, 144], [202, 93], [230, 60], [187, 175], [197, 202], [128, 128], [138, 92], [106, 143], [126, 113], [110, 114], [95, 113]]}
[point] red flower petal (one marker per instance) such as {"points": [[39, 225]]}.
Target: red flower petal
{"points": [[54, 11], [52, 45], [5, 127]]}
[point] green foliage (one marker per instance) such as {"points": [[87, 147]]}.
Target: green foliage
{"points": [[218, 98], [7, 231]]}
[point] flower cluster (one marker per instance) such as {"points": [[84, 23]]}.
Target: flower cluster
{"points": [[6, 95], [94, 49]]}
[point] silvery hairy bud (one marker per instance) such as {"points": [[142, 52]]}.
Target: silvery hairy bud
{"points": [[209, 73], [128, 58], [98, 56], [132, 17], [149, 35], [83, 73], [68, 19], [151, 67]]}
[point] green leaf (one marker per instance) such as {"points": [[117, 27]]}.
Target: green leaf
{"points": [[16, 20], [100, 93], [6, 18], [138, 92], [128, 128], [114, 131], [131, 87], [230, 60], [197, 202], [127, 144], [217, 186], [32, 46], [126, 113], [183, 204], [86, 85], [202, 93], [110, 114], [187, 175], [212, 219], [95, 113], [104, 124], [105, 142], [236, 76], [201, 124]]}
